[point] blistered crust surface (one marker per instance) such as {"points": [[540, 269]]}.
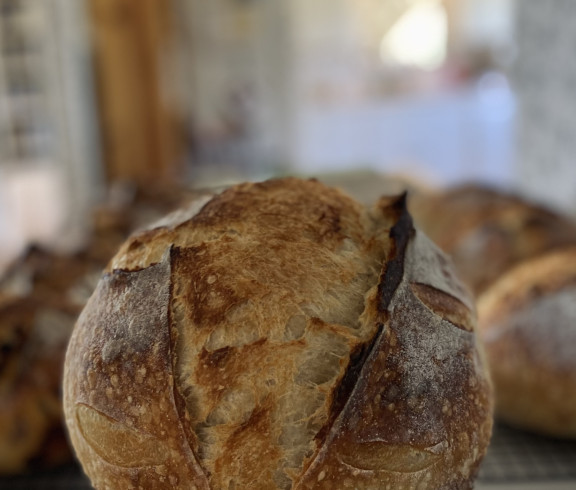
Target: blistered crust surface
{"points": [[296, 340]]}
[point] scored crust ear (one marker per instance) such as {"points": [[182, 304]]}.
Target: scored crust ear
{"points": [[417, 398], [120, 399]]}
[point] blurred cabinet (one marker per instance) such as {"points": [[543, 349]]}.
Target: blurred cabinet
{"points": [[544, 77], [139, 126], [23, 91]]}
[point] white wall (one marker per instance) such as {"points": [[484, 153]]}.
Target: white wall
{"points": [[544, 77]]}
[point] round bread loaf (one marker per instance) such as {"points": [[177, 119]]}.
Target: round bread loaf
{"points": [[487, 231], [528, 324], [278, 335]]}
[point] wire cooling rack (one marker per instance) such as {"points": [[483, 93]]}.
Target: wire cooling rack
{"points": [[515, 460], [515, 457]]}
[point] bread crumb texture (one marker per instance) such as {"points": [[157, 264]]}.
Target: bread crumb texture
{"points": [[280, 335]]}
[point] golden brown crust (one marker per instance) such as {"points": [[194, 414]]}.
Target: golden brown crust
{"points": [[487, 231], [528, 325], [290, 338]]}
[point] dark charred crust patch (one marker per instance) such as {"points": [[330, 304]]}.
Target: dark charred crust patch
{"points": [[216, 359], [400, 233], [140, 240], [330, 219], [252, 430], [249, 442], [135, 244], [258, 416], [343, 391], [224, 366], [211, 301]]}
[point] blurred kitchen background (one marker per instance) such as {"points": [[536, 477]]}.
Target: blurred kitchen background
{"points": [[202, 93]]}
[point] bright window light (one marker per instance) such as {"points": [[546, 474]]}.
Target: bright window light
{"points": [[418, 38]]}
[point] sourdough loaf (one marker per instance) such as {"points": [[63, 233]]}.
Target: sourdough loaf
{"points": [[278, 335], [528, 325], [487, 231]]}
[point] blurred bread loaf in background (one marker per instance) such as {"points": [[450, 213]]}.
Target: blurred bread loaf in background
{"points": [[528, 327], [487, 231], [40, 297]]}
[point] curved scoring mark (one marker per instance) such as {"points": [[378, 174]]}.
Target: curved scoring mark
{"points": [[378, 456], [116, 443], [445, 305]]}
